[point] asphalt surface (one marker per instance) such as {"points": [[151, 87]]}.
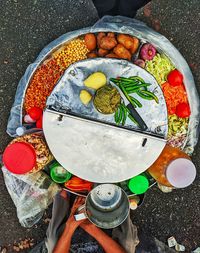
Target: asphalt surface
{"points": [[25, 28]]}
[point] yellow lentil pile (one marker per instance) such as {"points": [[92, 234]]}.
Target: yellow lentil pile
{"points": [[74, 51]]}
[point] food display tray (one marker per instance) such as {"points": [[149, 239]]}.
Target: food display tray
{"points": [[119, 25]]}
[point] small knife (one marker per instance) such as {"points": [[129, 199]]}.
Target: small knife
{"points": [[132, 110]]}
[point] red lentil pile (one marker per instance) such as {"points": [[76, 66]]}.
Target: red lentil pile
{"points": [[42, 84]]}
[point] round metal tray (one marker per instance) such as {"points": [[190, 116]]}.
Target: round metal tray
{"points": [[118, 25], [98, 152]]}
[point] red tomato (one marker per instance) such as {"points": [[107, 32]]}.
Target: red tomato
{"points": [[39, 123], [175, 78], [183, 110], [35, 112]]}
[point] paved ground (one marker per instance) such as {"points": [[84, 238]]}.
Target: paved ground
{"points": [[25, 29]]}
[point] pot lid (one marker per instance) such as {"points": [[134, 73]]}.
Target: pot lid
{"points": [[19, 158]]}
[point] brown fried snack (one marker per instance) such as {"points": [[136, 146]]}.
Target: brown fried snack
{"points": [[135, 45], [92, 55], [130, 43], [111, 34], [99, 37], [102, 52], [122, 52], [112, 55], [90, 41], [108, 43]]}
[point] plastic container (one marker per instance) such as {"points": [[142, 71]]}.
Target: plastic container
{"points": [[136, 201], [27, 154], [173, 168], [181, 173], [138, 184], [22, 130], [19, 158], [59, 174]]}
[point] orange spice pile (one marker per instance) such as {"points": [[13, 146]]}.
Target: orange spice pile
{"points": [[48, 74]]}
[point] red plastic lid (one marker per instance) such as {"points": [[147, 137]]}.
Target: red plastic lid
{"points": [[19, 158]]}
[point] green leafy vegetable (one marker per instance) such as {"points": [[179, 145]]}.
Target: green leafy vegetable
{"points": [[159, 67]]}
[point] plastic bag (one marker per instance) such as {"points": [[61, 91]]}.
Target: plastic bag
{"points": [[31, 194]]}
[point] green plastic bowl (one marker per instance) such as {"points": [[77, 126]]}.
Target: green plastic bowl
{"points": [[59, 174]]}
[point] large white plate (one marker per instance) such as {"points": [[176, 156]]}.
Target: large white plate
{"points": [[98, 152]]}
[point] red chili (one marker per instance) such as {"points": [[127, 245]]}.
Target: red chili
{"points": [[42, 84]]}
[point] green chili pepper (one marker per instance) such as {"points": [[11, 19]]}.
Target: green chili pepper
{"points": [[136, 101], [127, 96], [116, 116], [124, 91], [131, 92], [137, 78], [142, 95], [150, 94], [125, 114], [120, 114], [146, 84], [129, 84], [143, 88], [114, 80], [134, 88], [125, 79], [126, 108], [133, 84]]}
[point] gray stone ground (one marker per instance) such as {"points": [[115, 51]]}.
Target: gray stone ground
{"points": [[25, 28]]}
